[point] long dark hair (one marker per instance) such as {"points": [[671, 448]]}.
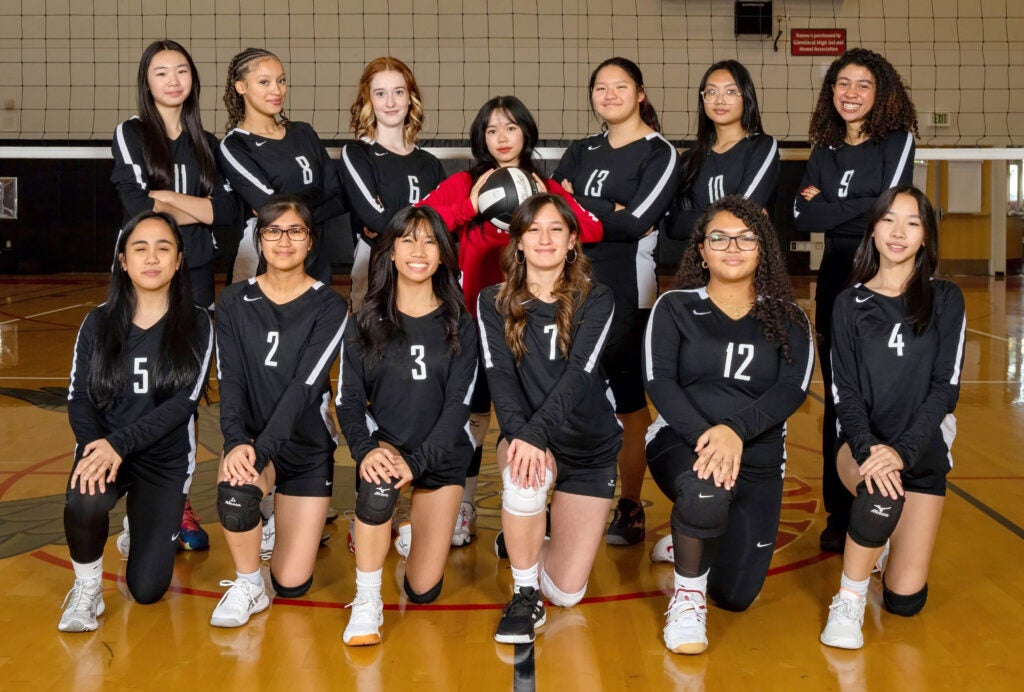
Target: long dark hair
{"points": [[179, 363], [919, 294], [155, 147], [518, 113], [774, 307], [570, 292], [694, 157], [647, 112], [893, 110], [378, 318], [270, 212], [240, 66]]}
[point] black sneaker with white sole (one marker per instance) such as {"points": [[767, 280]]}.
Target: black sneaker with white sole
{"points": [[521, 617]]}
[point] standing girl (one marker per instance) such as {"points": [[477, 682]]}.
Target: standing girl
{"points": [[384, 169], [732, 156], [896, 432], [140, 366], [264, 153], [542, 333], [863, 134], [411, 352], [503, 134], [626, 176], [727, 359], [277, 337]]}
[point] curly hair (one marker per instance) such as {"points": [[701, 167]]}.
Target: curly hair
{"points": [[774, 307], [570, 292], [241, 65], [893, 110], [364, 122]]}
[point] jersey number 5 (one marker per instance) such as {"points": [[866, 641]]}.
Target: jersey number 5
{"points": [[141, 386], [741, 350], [420, 371], [896, 340]]}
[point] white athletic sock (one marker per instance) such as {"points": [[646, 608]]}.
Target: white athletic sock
{"points": [[698, 584], [88, 570], [368, 583], [252, 577], [848, 588], [469, 492], [526, 577]]}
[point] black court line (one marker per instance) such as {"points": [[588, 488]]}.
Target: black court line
{"points": [[816, 397], [988, 511], [524, 674]]}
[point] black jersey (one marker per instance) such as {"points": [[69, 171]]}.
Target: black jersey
{"points": [[297, 164], [642, 176], [703, 368], [415, 396], [850, 179], [546, 400], [749, 169], [131, 178], [378, 182], [273, 364], [890, 385], [136, 424]]}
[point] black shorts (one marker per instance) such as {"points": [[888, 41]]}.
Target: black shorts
{"points": [[622, 361], [928, 474], [591, 481], [480, 403], [308, 479], [451, 473]]}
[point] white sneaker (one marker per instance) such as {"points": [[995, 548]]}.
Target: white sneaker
{"points": [[267, 539], [662, 550], [124, 540], [365, 621], [465, 524], [686, 623], [241, 600], [403, 541], [845, 620], [82, 605]]}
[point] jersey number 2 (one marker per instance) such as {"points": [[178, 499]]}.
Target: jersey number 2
{"points": [[274, 339], [741, 350]]}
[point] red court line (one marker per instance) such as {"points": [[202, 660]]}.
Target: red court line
{"points": [[18, 475]]}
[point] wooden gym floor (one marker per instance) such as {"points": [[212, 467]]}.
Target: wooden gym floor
{"points": [[968, 637]]}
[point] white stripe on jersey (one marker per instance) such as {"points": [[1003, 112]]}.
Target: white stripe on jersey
{"points": [[206, 362], [370, 199], [810, 353], [592, 361], [488, 363], [903, 160], [662, 182], [327, 355], [650, 327], [764, 169], [955, 380], [341, 372], [127, 156], [469, 394], [239, 167]]}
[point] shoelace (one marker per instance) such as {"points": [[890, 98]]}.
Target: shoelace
{"points": [[189, 519], [363, 610], [522, 604], [76, 595], [680, 605], [846, 609], [246, 591]]}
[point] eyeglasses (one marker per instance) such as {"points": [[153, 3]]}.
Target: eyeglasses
{"points": [[720, 242], [728, 96], [274, 233]]}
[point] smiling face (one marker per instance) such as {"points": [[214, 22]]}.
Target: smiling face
{"points": [[900, 233], [853, 94], [733, 262], [547, 240], [723, 100], [169, 78], [285, 254], [616, 97], [389, 95], [504, 138], [264, 88], [151, 255], [416, 254]]}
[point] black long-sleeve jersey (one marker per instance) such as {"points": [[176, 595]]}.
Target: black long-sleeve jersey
{"points": [[378, 182], [273, 364], [890, 385], [850, 179], [131, 179], [136, 424], [547, 400], [703, 368], [749, 169], [297, 164], [643, 176], [415, 397]]}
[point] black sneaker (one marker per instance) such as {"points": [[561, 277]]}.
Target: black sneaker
{"points": [[523, 614], [627, 527], [833, 538], [499, 546]]}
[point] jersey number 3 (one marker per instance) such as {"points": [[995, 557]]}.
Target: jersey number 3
{"points": [[420, 371]]}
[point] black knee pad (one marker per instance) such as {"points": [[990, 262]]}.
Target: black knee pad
{"points": [[376, 502], [291, 591], [238, 506], [873, 517], [428, 596], [906, 606], [701, 508]]}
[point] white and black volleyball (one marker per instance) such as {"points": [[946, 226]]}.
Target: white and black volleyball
{"points": [[504, 191]]}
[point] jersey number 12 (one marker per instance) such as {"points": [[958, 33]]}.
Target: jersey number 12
{"points": [[741, 350]]}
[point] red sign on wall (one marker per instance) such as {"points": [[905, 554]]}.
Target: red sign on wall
{"points": [[817, 41]]}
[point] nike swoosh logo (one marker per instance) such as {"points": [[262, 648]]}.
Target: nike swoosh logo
{"points": [[703, 496], [701, 314], [863, 300], [175, 537], [380, 153], [327, 483], [260, 144], [762, 545], [593, 148], [247, 299]]}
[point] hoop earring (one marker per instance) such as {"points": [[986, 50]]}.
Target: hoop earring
{"points": [[703, 264], [574, 255], [519, 256]]}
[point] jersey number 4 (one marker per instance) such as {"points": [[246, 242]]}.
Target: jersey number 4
{"points": [[896, 340], [741, 351]]}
